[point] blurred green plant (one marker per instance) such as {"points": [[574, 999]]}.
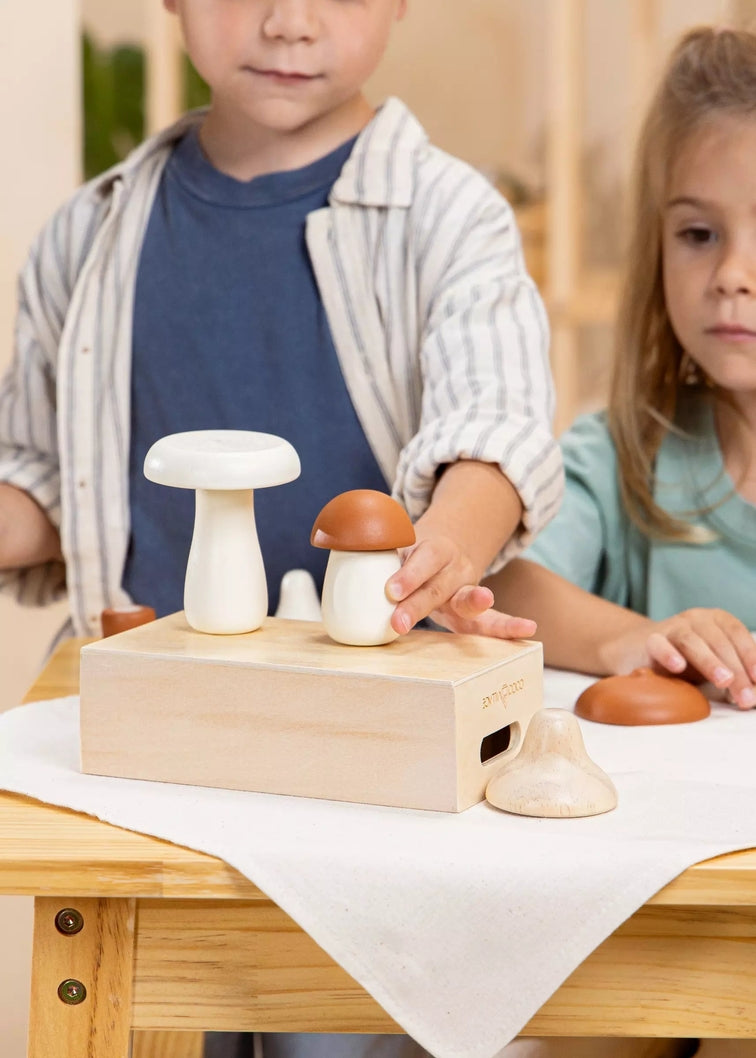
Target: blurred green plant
{"points": [[196, 92], [114, 101]]}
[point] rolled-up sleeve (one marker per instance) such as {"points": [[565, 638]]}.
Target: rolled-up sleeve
{"points": [[487, 387], [28, 419]]}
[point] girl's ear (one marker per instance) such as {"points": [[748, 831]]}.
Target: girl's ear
{"points": [[170, 5]]}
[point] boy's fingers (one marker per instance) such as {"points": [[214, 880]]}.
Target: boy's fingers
{"points": [[470, 601], [422, 563], [432, 595], [492, 623]]}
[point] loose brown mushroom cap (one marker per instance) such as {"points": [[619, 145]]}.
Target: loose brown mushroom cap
{"points": [[643, 697], [121, 619], [362, 520]]}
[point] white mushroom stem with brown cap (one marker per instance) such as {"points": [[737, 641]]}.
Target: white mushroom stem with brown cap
{"points": [[364, 530], [225, 591]]}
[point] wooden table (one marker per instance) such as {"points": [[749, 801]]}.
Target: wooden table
{"points": [[176, 942]]}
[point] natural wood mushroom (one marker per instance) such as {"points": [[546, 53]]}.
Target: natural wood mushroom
{"points": [[552, 775], [364, 529]]}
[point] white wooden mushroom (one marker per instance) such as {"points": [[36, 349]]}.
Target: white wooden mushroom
{"points": [[298, 598], [552, 775], [225, 591]]}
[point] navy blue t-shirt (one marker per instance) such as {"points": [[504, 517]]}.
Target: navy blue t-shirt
{"points": [[230, 333]]}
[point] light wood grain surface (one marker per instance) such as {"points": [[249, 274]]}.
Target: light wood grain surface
{"points": [[274, 711], [97, 961]]}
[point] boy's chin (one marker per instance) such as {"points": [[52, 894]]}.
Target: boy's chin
{"points": [[285, 116]]}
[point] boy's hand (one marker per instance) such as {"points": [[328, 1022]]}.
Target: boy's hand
{"points": [[437, 580], [699, 644]]}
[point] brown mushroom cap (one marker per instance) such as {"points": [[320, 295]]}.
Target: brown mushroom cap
{"points": [[362, 520], [122, 618], [642, 697]]}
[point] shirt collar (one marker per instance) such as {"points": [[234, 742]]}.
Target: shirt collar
{"points": [[379, 172]]}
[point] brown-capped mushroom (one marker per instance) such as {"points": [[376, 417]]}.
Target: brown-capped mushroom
{"points": [[364, 529]]}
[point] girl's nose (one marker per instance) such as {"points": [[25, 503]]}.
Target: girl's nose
{"points": [[290, 20], [736, 273]]}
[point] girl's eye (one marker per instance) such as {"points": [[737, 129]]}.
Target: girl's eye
{"points": [[697, 235]]}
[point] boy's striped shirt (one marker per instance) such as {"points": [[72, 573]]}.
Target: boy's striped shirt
{"points": [[441, 335]]}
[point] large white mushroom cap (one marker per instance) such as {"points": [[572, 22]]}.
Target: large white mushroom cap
{"points": [[221, 459]]}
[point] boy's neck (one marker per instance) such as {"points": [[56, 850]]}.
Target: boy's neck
{"points": [[243, 149]]}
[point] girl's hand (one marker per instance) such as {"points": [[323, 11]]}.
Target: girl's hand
{"points": [[698, 644], [437, 580]]}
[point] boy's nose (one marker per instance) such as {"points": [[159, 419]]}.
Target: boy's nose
{"points": [[290, 20]]}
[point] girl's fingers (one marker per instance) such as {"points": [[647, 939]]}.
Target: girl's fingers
{"points": [[665, 654], [728, 639], [721, 654], [742, 660], [686, 646]]}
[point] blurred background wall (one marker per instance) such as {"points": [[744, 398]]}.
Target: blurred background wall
{"points": [[543, 95], [40, 115]]}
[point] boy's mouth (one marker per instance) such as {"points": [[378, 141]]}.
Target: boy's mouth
{"points": [[292, 77]]}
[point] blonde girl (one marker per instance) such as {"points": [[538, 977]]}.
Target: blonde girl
{"points": [[652, 557]]}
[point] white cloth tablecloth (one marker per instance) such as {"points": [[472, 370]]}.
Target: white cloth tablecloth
{"points": [[461, 926]]}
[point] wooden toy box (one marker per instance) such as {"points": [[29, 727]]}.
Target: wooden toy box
{"points": [[420, 723]]}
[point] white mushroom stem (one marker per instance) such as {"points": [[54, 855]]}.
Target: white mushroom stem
{"points": [[225, 590], [298, 598], [356, 610]]}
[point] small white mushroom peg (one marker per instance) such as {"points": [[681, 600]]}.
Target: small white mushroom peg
{"points": [[225, 591], [552, 775], [298, 598], [356, 610], [364, 529]]}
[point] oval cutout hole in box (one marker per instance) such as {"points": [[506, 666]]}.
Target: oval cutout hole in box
{"points": [[498, 742]]}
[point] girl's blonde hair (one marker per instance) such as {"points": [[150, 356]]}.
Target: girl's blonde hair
{"points": [[711, 72]]}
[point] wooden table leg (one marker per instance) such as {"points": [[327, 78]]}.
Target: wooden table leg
{"points": [[82, 978], [168, 1045]]}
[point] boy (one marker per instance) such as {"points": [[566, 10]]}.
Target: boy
{"points": [[439, 334], [289, 261]]}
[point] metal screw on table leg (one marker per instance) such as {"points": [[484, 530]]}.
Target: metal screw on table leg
{"points": [[69, 921], [71, 991]]}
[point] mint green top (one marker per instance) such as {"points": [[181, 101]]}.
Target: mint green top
{"points": [[592, 542]]}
